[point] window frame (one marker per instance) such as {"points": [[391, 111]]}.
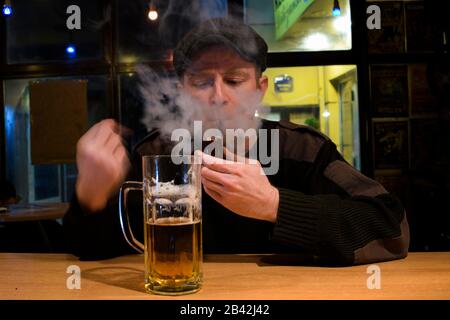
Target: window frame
{"points": [[109, 66]]}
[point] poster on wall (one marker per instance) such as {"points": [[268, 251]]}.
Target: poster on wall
{"points": [[390, 143], [417, 23], [58, 118], [389, 90], [423, 102], [425, 145], [391, 37]]}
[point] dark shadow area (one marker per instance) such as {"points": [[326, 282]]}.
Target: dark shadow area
{"points": [[44, 236], [263, 260], [127, 278], [287, 260]]}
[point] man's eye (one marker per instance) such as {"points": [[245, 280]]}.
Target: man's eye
{"points": [[234, 82], [201, 83]]}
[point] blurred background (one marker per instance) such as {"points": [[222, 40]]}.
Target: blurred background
{"points": [[381, 94]]}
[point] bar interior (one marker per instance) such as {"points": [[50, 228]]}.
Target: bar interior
{"points": [[349, 103]]}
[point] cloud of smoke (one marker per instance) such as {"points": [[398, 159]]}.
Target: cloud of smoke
{"points": [[167, 107], [180, 15]]}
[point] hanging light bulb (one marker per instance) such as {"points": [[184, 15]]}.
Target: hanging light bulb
{"points": [[7, 9], [152, 13], [336, 8]]}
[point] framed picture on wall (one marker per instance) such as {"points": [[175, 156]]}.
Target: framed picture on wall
{"points": [[389, 90], [394, 182], [391, 37], [424, 144], [423, 102], [420, 32], [390, 143]]}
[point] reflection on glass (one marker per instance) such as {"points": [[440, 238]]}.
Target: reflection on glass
{"points": [[307, 25], [49, 182], [147, 30], [323, 97], [37, 31]]}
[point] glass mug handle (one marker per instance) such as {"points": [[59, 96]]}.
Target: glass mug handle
{"points": [[123, 214]]}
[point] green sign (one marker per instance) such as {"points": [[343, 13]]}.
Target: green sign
{"points": [[287, 13]]}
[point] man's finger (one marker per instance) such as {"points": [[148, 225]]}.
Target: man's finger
{"points": [[120, 152], [113, 142], [106, 128], [217, 164], [207, 159], [216, 196], [103, 136], [217, 177], [214, 186], [238, 158]]}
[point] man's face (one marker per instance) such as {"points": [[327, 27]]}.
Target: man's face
{"points": [[220, 79]]}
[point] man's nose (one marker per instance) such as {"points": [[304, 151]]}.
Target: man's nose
{"points": [[218, 94]]}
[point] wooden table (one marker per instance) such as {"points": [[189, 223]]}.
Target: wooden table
{"points": [[226, 277], [34, 212]]}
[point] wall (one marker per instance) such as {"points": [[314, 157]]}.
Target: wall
{"points": [[305, 87], [312, 86]]}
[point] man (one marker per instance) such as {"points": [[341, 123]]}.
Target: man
{"points": [[315, 204]]}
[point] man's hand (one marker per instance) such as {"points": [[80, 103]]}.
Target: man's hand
{"points": [[241, 187], [102, 163]]}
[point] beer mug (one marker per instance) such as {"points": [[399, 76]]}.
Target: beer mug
{"points": [[172, 223]]}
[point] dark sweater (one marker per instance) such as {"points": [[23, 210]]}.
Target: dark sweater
{"points": [[327, 210]]}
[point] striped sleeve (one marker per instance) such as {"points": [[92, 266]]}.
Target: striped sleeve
{"points": [[346, 218]]}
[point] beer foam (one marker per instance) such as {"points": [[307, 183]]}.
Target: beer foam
{"points": [[170, 189]]}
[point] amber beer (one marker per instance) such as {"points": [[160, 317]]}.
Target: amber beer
{"points": [[174, 255]]}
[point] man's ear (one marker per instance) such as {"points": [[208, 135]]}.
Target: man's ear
{"points": [[263, 84]]}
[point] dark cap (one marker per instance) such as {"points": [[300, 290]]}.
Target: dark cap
{"points": [[221, 31]]}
